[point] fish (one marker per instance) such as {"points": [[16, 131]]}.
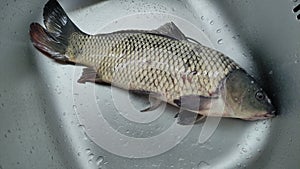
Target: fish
{"points": [[162, 63]]}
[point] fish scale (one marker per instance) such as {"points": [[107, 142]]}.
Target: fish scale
{"points": [[172, 67]]}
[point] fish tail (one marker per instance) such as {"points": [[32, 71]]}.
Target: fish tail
{"points": [[54, 39]]}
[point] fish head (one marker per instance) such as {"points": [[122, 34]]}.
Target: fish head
{"points": [[244, 98]]}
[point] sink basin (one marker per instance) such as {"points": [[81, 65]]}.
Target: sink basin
{"points": [[48, 120]]}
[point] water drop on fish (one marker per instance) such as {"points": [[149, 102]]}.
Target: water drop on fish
{"points": [[220, 41], [211, 22], [218, 31], [296, 61], [202, 17], [203, 165], [244, 150]]}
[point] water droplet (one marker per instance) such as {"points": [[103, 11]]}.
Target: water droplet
{"points": [[203, 165], [271, 72], [173, 9], [91, 156], [218, 31], [75, 108], [206, 145], [244, 150], [220, 41], [88, 150], [211, 22], [202, 17], [296, 61], [99, 160]]}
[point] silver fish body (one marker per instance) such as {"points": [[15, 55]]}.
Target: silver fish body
{"points": [[153, 63], [161, 62]]}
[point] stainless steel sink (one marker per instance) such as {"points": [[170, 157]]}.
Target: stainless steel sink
{"points": [[47, 120]]}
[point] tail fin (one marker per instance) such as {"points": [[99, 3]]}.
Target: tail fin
{"points": [[53, 41]]}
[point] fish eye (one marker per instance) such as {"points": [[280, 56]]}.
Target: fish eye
{"points": [[259, 96]]}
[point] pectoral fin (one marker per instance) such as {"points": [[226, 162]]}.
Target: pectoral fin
{"points": [[194, 102], [188, 118]]}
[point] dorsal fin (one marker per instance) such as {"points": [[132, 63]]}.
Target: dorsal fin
{"points": [[168, 30], [171, 30]]}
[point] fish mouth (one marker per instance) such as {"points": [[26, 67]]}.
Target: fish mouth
{"points": [[262, 116]]}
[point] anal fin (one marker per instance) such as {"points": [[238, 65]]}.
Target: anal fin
{"points": [[89, 75]]}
